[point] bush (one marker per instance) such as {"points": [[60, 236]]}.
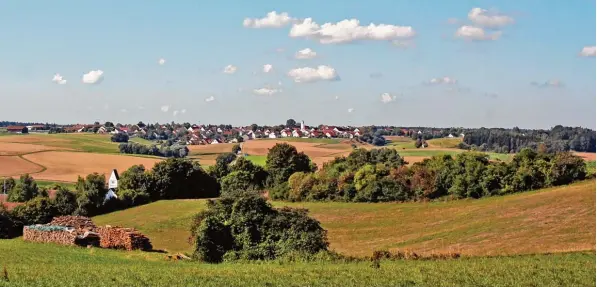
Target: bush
{"points": [[248, 228], [283, 160], [65, 201], [8, 228], [120, 138], [181, 178], [24, 190], [40, 210]]}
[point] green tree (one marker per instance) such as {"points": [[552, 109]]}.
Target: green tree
{"points": [[221, 168], [65, 201], [249, 228], [8, 184], [39, 210], [177, 178], [290, 123], [26, 189], [91, 194], [283, 160]]}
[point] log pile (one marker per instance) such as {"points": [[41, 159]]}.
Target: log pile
{"points": [[46, 235], [123, 238], [80, 223]]}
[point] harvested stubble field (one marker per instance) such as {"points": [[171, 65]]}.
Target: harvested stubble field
{"points": [[550, 220], [22, 148], [318, 152], [71, 266], [66, 166], [15, 166], [97, 143]]}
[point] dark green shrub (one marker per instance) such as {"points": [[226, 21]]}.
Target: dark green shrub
{"points": [[65, 201], [248, 228], [39, 210]]}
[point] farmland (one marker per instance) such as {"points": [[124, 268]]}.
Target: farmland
{"points": [[551, 220], [71, 266]]}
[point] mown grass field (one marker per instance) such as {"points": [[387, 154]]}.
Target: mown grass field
{"points": [[550, 220], [34, 264], [257, 159]]}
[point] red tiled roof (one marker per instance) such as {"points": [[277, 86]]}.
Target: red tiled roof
{"points": [[15, 128]]}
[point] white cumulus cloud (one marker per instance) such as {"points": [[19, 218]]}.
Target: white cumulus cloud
{"points": [[162, 61], [386, 98], [174, 113], [549, 84], [485, 18], [588, 51], [165, 108], [93, 77], [347, 31], [350, 110], [210, 99], [271, 20], [476, 33], [267, 68], [230, 69], [123, 110], [308, 75], [266, 91], [183, 111], [443, 80], [58, 79], [305, 54]]}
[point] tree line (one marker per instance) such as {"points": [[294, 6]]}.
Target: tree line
{"points": [[165, 150], [557, 139]]}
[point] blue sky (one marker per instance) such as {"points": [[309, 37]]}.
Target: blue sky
{"points": [[517, 63]]}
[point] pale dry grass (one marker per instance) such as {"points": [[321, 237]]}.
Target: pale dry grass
{"points": [[66, 166], [588, 156]]}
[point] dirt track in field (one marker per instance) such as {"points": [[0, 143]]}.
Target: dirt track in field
{"points": [[66, 166]]}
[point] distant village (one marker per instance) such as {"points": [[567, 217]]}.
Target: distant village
{"points": [[204, 134]]}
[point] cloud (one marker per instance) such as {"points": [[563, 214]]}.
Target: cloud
{"points": [[183, 111], [476, 34], [350, 110], [279, 83], [485, 18], [337, 97], [141, 108], [442, 81], [58, 79], [305, 54], [230, 69], [308, 75], [174, 113], [271, 20], [210, 99], [387, 98], [93, 77], [123, 110], [266, 91], [165, 108], [549, 84], [375, 75], [588, 51], [347, 31], [161, 61], [267, 68]]}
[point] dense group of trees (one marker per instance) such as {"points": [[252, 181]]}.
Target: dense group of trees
{"points": [[246, 227], [168, 179], [165, 150], [120, 138], [557, 139], [382, 175]]}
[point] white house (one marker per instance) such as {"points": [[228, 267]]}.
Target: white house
{"points": [[285, 134], [450, 136], [112, 185], [296, 134], [272, 136]]}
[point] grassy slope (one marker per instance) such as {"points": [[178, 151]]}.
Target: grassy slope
{"points": [[257, 159], [551, 220], [73, 266]]}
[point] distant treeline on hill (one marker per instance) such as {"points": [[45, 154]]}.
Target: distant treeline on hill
{"points": [[557, 139], [8, 123]]}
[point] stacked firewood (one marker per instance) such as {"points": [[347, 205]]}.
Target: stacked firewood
{"points": [[123, 238], [46, 234], [80, 223]]}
